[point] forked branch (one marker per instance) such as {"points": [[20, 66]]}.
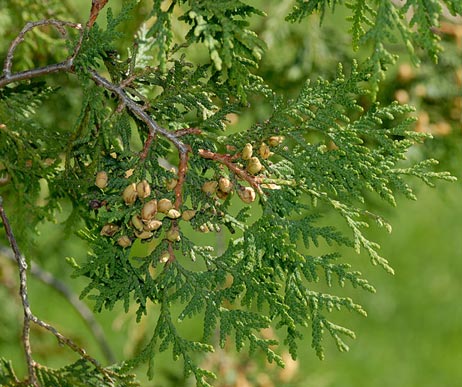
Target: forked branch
{"points": [[227, 160], [30, 317], [66, 65], [22, 265], [80, 307]]}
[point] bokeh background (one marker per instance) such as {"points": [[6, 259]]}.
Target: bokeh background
{"points": [[413, 333]]}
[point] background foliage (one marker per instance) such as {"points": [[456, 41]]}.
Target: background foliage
{"points": [[412, 320]]}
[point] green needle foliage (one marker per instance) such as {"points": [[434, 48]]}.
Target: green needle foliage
{"points": [[151, 164], [379, 23]]}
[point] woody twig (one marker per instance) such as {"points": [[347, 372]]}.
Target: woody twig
{"points": [[227, 160], [66, 65], [30, 317]]}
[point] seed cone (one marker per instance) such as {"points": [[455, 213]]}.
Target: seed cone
{"points": [[225, 184], [164, 205], [124, 241], [164, 257], [222, 195], [247, 194], [130, 194], [275, 140], [171, 184], [149, 210], [137, 223], [247, 151], [152, 225], [265, 151], [173, 235], [109, 229], [210, 187], [204, 228], [143, 189], [173, 214], [254, 165], [188, 215], [144, 234], [101, 179]]}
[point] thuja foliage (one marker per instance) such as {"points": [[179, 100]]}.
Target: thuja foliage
{"points": [[151, 164]]}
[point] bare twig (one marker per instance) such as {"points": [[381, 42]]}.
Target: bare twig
{"points": [[22, 265], [186, 131], [147, 145], [64, 340], [66, 65], [80, 307], [30, 317]]}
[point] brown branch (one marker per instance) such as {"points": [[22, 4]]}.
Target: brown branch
{"points": [[186, 131], [182, 169], [96, 7], [30, 317], [147, 145], [227, 160], [183, 165]]}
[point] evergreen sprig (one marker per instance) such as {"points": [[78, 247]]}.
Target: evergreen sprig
{"points": [[151, 164], [377, 24]]}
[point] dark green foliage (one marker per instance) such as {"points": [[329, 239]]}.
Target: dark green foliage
{"points": [[79, 374], [330, 149]]}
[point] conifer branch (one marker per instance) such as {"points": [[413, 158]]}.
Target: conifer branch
{"points": [[154, 128], [138, 111], [265, 266]]}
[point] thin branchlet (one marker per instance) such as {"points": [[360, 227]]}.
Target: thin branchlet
{"points": [[80, 307], [22, 266], [227, 160], [138, 111], [66, 65], [30, 317]]}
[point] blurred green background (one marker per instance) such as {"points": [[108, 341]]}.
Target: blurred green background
{"points": [[413, 333]]}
